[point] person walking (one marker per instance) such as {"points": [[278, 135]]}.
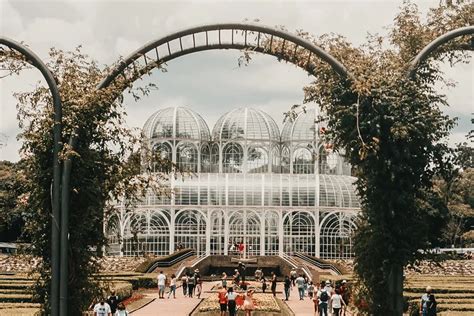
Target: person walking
{"points": [[310, 290], [287, 286], [191, 283], [161, 285], [113, 300], [248, 305], [121, 311], [222, 295], [172, 286], [293, 276], [274, 284], [102, 309], [328, 287], [236, 277], [264, 283], [428, 303], [184, 284], [323, 297], [198, 285], [337, 302], [231, 296], [300, 285], [316, 301], [305, 284], [345, 293]]}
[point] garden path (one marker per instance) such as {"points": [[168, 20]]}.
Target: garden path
{"points": [[181, 306]]}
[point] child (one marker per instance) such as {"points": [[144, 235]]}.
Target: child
{"points": [[248, 303]]}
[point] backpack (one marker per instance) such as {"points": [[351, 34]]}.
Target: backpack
{"points": [[324, 297]]}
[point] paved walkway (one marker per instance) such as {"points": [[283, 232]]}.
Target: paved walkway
{"points": [[180, 306], [303, 308]]}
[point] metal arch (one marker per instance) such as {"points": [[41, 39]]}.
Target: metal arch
{"points": [[242, 27], [443, 39], [57, 220]]}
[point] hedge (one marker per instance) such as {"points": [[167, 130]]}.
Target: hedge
{"points": [[15, 298]]}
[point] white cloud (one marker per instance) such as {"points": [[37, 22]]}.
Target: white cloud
{"points": [[209, 82]]}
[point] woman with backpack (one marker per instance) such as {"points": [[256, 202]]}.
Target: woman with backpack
{"points": [[323, 299]]}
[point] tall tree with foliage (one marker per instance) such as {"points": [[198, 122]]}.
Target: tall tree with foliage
{"points": [[13, 195], [392, 128], [106, 166]]}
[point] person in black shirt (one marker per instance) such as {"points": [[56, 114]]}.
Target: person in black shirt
{"points": [[287, 286], [274, 283], [113, 301]]}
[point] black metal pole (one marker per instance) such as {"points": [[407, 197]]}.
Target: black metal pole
{"points": [[64, 263], [33, 59], [437, 42]]}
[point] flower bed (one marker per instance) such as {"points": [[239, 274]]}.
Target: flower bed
{"points": [[262, 302]]}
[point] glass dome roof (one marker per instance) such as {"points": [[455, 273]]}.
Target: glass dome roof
{"points": [[176, 122], [303, 128], [246, 123]]}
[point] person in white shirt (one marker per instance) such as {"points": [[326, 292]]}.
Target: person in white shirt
{"points": [[161, 285], [300, 284], [231, 296], [102, 309], [337, 302], [328, 287]]}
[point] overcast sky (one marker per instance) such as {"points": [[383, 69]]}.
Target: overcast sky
{"points": [[209, 82]]}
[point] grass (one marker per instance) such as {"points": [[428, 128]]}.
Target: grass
{"points": [[454, 294]]}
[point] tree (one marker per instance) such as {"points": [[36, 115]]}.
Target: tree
{"points": [[391, 129], [13, 194], [460, 201], [106, 165]]}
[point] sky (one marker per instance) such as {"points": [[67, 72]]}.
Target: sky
{"points": [[209, 82]]}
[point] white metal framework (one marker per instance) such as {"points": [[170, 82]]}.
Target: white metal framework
{"points": [[276, 194]]}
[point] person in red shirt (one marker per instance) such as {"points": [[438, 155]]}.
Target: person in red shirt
{"points": [[241, 249], [222, 294]]}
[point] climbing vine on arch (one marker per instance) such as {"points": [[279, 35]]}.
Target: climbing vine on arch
{"points": [[393, 131]]}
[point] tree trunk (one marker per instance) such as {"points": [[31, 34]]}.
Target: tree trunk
{"points": [[395, 289]]}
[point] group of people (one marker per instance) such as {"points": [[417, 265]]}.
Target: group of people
{"points": [[329, 300], [164, 281], [110, 307], [190, 282], [228, 300], [238, 280]]}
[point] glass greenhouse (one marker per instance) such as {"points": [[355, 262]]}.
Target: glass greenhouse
{"points": [[246, 182]]}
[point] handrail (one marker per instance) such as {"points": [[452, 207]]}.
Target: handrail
{"points": [[181, 268], [317, 263], [296, 265], [172, 262]]}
